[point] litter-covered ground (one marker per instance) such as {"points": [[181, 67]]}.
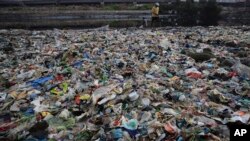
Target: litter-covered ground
{"points": [[124, 84]]}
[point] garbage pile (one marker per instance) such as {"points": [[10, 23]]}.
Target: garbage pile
{"points": [[161, 84]]}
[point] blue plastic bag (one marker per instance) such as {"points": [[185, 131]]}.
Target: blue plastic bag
{"points": [[40, 81]]}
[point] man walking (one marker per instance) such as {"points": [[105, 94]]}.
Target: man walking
{"points": [[155, 14]]}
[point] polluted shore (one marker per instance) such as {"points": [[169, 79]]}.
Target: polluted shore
{"points": [[127, 84]]}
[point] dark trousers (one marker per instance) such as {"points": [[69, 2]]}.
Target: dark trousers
{"points": [[155, 21]]}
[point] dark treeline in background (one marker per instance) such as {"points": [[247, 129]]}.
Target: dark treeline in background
{"points": [[206, 13], [192, 13]]}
